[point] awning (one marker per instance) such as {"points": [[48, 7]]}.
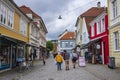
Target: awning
{"points": [[90, 43], [12, 39]]}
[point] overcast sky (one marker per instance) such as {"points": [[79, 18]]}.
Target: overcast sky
{"points": [[49, 10]]}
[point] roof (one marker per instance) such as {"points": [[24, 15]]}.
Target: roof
{"points": [[68, 36], [91, 14], [27, 10], [94, 11]]}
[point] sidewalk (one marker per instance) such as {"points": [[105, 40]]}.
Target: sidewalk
{"points": [[16, 74], [103, 72]]}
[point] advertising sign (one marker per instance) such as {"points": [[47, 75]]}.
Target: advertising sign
{"points": [[82, 61]]}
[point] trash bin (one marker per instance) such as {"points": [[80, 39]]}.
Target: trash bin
{"points": [[111, 63]]}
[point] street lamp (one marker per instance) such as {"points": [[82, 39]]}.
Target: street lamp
{"points": [[59, 17]]}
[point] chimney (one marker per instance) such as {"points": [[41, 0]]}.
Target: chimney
{"points": [[98, 4]]}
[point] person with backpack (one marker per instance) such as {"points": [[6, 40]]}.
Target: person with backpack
{"points": [[59, 61], [74, 59], [66, 57]]}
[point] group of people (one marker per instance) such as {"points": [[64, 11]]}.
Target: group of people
{"points": [[64, 56]]}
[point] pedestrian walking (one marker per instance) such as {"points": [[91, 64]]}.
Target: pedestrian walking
{"points": [[66, 57], [59, 61], [43, 59], [74, 59]]}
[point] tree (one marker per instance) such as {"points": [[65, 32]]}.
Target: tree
{"points": [[49, 45]]}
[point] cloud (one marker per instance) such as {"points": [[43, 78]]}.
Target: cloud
{"points": [[49, 10]]}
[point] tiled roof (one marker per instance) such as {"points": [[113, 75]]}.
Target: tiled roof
{"points": [[68, 36], [28, 10], [94, 11]]}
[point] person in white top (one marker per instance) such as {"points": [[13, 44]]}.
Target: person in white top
{"points": [[74, 58]]}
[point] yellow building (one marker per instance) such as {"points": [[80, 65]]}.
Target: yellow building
{"points": [[114, 30], [14, 34]]}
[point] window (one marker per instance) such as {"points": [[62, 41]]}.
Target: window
{"points": [[3, 13], [10, 18], [116, 40], [114, 8], [92, 31], [71, 44], [23, 26], [66, 44], [99, 27], [6, 15], [63, 44], [103, 25]]}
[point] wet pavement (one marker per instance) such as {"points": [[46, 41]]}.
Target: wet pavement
{"points": [[49, 72]]}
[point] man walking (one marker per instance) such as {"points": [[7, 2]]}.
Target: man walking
{"points": [[66, 57]]}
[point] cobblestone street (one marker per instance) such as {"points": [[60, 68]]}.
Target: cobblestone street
{"points": [[49, 72]]}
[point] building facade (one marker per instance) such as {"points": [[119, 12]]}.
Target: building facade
{"points": [[66, 41], [37, 33], [14, 34], [99, 36], [114, 30]]}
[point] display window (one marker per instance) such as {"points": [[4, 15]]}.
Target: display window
{"points": [[4, 57]]}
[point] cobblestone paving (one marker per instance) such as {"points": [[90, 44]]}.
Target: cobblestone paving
{"points": [[49, 72]]}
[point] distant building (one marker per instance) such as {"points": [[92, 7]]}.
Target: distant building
{"points": [[66, 41]]}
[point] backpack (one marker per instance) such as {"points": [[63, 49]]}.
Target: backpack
{"points": [[66, 56]]}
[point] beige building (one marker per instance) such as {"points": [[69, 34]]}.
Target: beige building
{"points": [[114, 30]]}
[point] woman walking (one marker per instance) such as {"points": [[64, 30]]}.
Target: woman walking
{"points": [[74, 58]]}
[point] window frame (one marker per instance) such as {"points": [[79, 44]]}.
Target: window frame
{"points": [[92, 31], [116, 41], [23, 26], [114, 8]]}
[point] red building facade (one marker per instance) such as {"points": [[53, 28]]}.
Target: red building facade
{"points": [[99, 37]]}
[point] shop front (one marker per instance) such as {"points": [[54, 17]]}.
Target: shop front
{"points": [[10, 50]]}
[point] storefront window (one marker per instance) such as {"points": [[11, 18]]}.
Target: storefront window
{"points": [[4, 57]]}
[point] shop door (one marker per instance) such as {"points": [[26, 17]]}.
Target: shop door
{"points": [[14, 62]]}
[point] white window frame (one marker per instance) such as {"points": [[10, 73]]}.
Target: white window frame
{"points": [[103, 25], [3, 13], [23, 26], [71, 44], [10, 18], [66, 44], [92, 31], [114, 8], [7, 15], [63, 44], [116, 41], [99, 27]]}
